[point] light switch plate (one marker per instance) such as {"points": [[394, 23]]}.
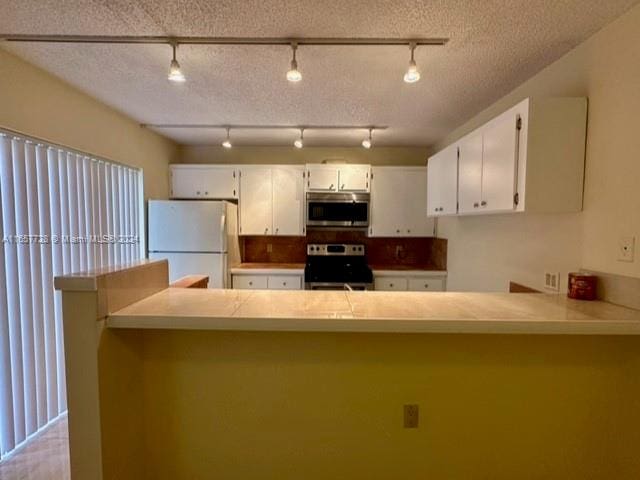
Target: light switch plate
{"points": [[626, 249]]}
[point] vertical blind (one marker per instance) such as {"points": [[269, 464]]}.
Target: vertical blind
{"points": [[61, 212]]}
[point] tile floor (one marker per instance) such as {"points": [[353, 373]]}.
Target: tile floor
{"points": [[45, 457]]}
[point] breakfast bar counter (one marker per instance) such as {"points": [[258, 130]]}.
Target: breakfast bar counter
{"points": [[175, 383], [400, 312]]}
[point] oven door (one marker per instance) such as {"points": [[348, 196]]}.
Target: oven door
{"points": [[337, 210], [338, 286]]}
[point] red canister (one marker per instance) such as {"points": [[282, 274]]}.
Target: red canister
{"points": [[582, 286]]}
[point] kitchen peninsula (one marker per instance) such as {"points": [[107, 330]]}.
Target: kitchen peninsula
{"points": [[172, 383]]}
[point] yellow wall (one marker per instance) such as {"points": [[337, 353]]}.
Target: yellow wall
{"points": [[35, 103], [290, 155], [485, 253], [246, 406]]}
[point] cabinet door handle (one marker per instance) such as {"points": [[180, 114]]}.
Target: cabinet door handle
{"points": [[250, 284], [476, 205], [277, 230], [331, 187], [342, 187], [436, 209], [408, 231], [206, 193], [398, 231], [266, 230], [284, 284], [391, 285], [426, 285], [198, 192], [483, 203]]}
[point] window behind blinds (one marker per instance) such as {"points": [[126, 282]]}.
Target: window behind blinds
{"points": [[62, 211]]}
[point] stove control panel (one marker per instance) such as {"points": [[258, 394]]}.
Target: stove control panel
{"points": [[338, 249]]}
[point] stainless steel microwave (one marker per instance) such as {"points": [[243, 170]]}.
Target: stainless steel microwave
{"points": [[337, 210]]}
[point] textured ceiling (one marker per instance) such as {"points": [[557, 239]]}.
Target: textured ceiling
{"points": [[494, 46]]}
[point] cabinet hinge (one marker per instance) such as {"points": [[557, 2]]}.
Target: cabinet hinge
{"points": [[516, 199], [519, 123], [458, 153]]}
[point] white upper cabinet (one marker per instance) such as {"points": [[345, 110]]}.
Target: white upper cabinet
{"points": [[271, 200], [398, 202], [322, 178], [499, 163], [354, 178], [288, 201], [338, 178], [256, 201], [529, 158], [203, 182], [470, 173], [442, 183]]}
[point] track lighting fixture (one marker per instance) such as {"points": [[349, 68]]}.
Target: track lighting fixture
{"points": [[299, 143], [227, 142], [412, 75], [366, 143], [294, 75], [175, 74]]}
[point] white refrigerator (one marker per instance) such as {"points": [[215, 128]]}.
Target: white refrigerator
{"points": [[196, 237]]}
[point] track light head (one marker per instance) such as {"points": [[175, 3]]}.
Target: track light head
{"points": [[412, 75], [227, 142], [175, 73], [299, 143], [367, 143], [294, 75]]}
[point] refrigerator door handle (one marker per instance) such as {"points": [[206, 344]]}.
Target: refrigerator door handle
{"points": [[223, 224]]}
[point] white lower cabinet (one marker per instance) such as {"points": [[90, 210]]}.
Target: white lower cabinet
{"points": [[426, 284], [391, 284], [410, 281], [266, 281]]}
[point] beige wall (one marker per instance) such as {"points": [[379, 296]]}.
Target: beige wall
{"points": [[263, 405], [290, 155], [38, 104], [485, 253]]}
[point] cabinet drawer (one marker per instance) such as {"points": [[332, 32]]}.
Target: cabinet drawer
{"points": [[426, 284], [250, 282], [284, 282], [390, 283]]}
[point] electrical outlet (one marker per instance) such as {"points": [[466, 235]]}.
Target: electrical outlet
{"points": [[552, 281], [411, 416], [626, 249]]}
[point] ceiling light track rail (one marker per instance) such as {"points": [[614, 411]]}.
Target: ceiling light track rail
{"points": [[227, 127], [151, 40]]}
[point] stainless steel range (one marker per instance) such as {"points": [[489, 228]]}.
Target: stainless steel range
{"points": [[337, 267]]}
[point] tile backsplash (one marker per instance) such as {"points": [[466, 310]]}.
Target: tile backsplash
{"points": [[424, 252]]}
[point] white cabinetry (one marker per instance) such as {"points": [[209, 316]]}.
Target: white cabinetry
{"points": [[271, 200], [288, 201], [203, 181], [409, 281], [256, 201], [398, 200], [442, 184], [338, 178], [529, 158], [267, 281], [470, 173]]}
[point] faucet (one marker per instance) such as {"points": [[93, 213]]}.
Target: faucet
{"points": [[348, 287]]}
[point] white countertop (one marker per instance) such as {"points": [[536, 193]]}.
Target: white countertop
{"points": [[401, 312]]}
